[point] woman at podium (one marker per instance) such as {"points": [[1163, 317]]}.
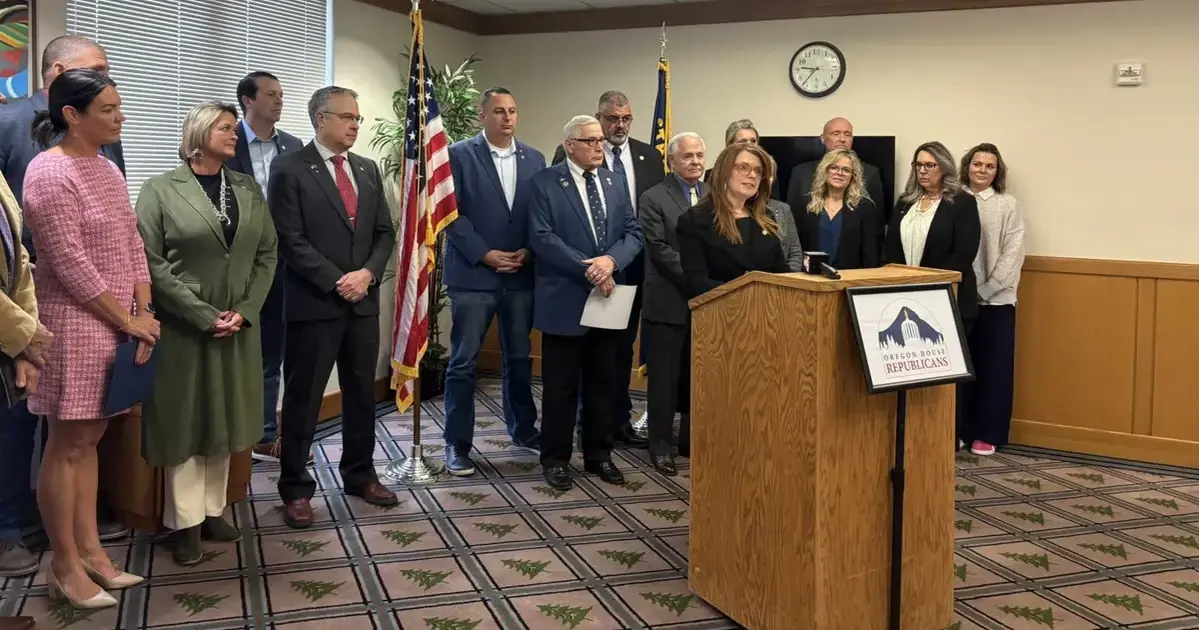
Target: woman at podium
{"points": [[730, 232], [936, 225], [837, 216]]}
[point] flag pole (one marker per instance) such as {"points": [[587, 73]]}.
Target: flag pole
{"points": [[417, 469]]}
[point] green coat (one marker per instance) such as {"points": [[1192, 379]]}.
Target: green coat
{"points": [[208, 392]]}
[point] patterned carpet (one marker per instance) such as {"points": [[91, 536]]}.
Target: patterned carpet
{"points": [[1044, 541]]}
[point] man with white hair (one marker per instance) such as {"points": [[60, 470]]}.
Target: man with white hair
{"points": [[666, 332], [584, 235]]}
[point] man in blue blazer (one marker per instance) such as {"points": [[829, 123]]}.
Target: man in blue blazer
{"points": [[585, 235], [259, 142], [488, 272]]}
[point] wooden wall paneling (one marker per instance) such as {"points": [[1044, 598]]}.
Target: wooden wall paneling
{"points": [[1075, 350], [1175, 370], [1142, 388]]}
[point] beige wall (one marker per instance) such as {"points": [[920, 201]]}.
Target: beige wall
{"points": [[1038, 82]]}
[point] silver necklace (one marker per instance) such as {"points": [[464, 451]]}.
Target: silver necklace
{"points": [[222, 213]]}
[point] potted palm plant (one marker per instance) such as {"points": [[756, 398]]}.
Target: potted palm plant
{"points": [[459, 100]]}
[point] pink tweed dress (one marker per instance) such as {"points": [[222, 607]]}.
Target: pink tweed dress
{"points": [[85, 234]]}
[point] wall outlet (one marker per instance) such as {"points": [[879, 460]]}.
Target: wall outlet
{"points": [[1130, 73]]}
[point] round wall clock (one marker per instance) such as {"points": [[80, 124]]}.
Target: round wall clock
{"points": [[817, 69]]}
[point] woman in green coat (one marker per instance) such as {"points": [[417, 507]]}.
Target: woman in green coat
{"points": [[210, 244]]}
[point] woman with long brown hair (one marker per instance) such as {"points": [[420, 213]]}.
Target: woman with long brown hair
{"points": [[730, 232]]}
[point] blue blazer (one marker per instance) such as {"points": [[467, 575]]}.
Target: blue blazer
{"points": [[561, 238], [17, 149], [485, 222]]}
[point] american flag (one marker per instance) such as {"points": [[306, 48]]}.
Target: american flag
{"points": [[428, 205]]}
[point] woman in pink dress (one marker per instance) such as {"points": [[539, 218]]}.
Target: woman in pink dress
{"points": [[93, 291]]}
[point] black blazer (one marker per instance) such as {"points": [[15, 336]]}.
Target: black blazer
{"points": [[315, 237], [858, 248], [710, 260], [649, 170], [17, 150], [952, 244]]}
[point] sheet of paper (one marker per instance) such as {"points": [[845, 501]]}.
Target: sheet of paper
{"points": [[610, 312]]}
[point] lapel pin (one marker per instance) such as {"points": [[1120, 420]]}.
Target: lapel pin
{"points": [[640, 157], [564, 183], [313, 167], [608, 180]]}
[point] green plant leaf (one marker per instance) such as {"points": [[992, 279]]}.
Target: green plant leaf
{"points": [[627, 558], [667, 515], [315, 590], [402, 538], [208, 555], [304, 548], [1192, 587], [1034, 484], [1040, 616], [969, 490], [499, 443], [66, 615], [1092, 477], [964, 525], [484, 424], [634, 486], [196, 603], [499, 530], [1116, 551], [1131, 603], [1166, 503], [527, 568], [426, 579], [552, 493], [959, 571], [1183, 541], [678, 604], [957, 625], [524, 466], [569, 616]]}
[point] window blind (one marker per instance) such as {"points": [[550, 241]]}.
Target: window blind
{"points": [[167, 56]]}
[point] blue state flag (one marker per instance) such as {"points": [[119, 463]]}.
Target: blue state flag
{"points": [[660, 135]]}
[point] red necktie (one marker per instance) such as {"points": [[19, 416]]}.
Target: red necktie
{"points": [[346, 188]]}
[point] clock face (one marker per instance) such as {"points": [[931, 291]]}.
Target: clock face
{"points": [[817, 69]]}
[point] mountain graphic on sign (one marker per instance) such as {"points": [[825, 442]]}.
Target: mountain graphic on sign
{"points": [[909, 328]]}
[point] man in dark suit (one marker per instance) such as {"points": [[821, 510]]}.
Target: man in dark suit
{"points": [[259, 142], [584, 235], [666, 334], [17, 150], [488, 273], [643, 168], [336, 235], [838, 134]]}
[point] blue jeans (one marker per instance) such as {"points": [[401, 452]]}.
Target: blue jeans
{"points": [[17, 430], [472, 312], [272, 326]]}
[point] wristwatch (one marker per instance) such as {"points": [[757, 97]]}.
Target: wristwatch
{"points": [[149, 307]]}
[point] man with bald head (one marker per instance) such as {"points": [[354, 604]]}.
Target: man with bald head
{"points": [[18, 427], [837, 134], [666, 331]]}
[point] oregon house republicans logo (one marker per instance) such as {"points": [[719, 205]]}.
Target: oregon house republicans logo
{"points": [[910, 340]]}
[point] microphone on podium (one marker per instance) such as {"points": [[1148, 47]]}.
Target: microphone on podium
{"points": [[817, 263]]}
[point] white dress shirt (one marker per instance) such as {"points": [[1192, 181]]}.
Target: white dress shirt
{"points": [[913, 231], [576, 172], [327, 154], [626, 158], [505, 167]]}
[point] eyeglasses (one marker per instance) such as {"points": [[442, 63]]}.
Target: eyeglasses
{"points": [[741, 168], [844, 170], [350, 118], [613, 120], [924, 166], [591, 142]]}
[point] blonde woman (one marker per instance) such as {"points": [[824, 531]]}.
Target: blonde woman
{"points": [[730, 232], [210, 244], [837, 216]]}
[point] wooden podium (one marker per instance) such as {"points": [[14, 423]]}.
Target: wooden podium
{"points": [[133, 488], [790, 488]]}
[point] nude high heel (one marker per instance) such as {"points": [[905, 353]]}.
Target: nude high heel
{"points": [[99, 600], [121, 581]]}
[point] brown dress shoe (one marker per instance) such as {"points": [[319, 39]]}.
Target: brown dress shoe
{"points": [[375, 493], [298, 514], [16, 623]]}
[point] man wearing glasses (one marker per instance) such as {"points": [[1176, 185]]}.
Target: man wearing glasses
{"points": [[570, 257], [643, 167], [336, 235]]}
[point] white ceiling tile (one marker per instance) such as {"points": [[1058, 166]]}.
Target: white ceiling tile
{"points": [[534, 6], [494, 7], [607, 4], [486, 7]]}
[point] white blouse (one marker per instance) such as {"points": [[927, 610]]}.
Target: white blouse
{"points": [[913, 231]]}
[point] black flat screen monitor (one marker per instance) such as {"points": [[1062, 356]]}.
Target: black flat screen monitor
{"points": [[791, 151]]}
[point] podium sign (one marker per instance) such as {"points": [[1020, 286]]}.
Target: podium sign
{"points": [[909, 336]]}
